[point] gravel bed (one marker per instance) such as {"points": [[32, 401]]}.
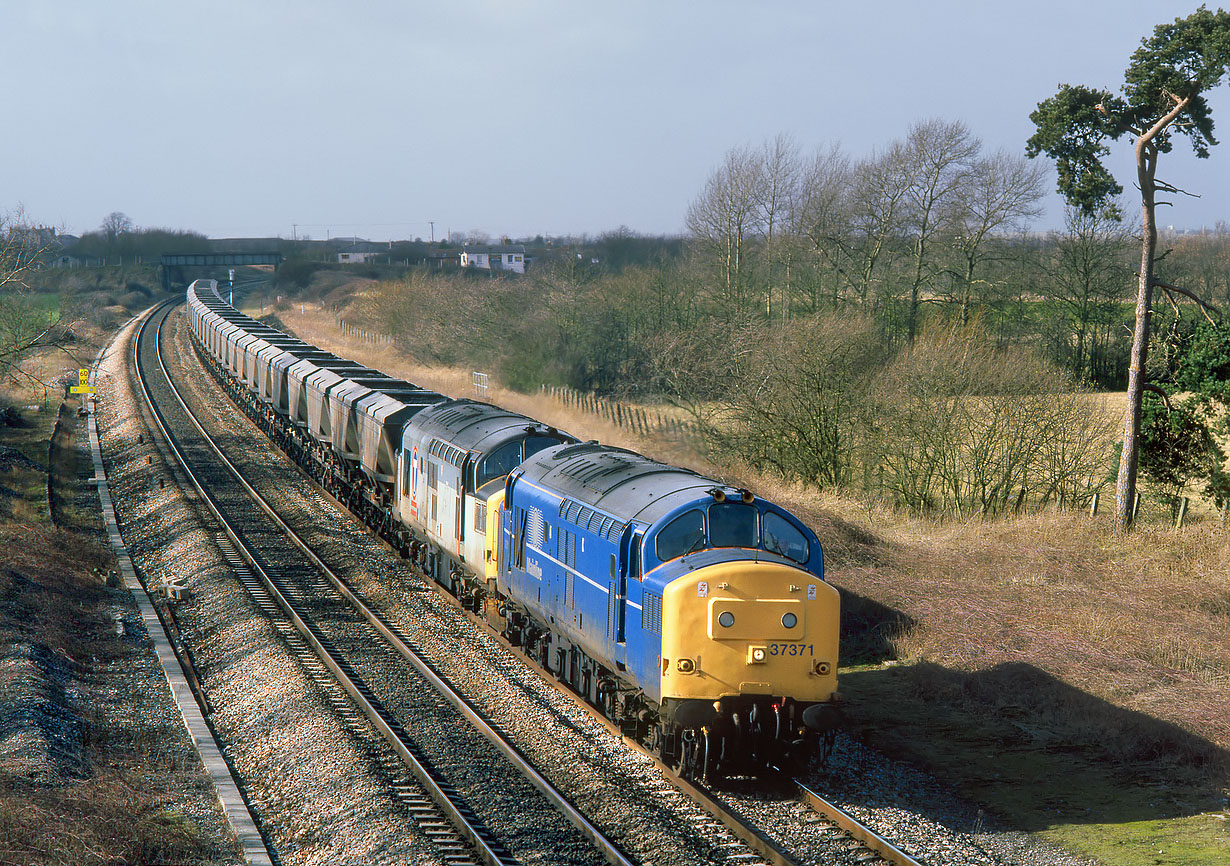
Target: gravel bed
{"points": [[314, 786], [618, 788], [64, 719]]}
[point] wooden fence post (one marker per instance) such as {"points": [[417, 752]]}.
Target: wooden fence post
{"points": [[1178, 524], [1093, 506]]}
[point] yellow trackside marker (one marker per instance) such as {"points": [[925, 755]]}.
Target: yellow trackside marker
{"points": [[83, 385]]}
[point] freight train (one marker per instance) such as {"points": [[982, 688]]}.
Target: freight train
{"points": [[693, 614]]}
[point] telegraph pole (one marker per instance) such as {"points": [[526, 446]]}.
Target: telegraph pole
{"points": [[432, 223]]}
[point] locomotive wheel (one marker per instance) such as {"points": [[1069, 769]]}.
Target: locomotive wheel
{"points": [[687, 754]]}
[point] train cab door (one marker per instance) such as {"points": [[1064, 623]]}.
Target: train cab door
{"points": [[465, 490], [629, 566]]}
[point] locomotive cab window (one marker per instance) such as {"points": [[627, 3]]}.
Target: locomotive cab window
{"points": [[499, 462], [732, 524], [508, 456], [681, 536], [531, 445], [781, 537]]}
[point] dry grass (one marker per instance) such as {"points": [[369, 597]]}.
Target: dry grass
{"points": [[1132, 619]]}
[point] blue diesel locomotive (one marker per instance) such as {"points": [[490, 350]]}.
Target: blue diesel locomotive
{"points": [[697, 610]]}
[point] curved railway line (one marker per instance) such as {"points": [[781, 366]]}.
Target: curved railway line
{"points": [[286, 586], [338, 636]]}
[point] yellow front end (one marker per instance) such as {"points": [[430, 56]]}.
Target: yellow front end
{"points": [[492, 551], [743, 628]]}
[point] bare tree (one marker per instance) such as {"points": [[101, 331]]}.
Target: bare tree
{"points": [[722, 219], [25, 325], [1002, 193], [823, 218], [875, 213], [1086, 274], [936, 163], [777, 194], [114, 225], [115, 229]]}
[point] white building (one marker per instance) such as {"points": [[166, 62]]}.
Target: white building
{"points": [[505, 257]]}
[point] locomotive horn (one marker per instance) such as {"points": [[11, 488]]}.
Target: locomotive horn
{"points": [[746, 496], [719, 495]]}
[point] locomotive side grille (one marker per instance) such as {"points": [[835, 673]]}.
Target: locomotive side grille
{"points": [[535, 530], [652, 604]]}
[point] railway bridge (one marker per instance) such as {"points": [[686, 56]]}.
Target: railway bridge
{"points": [[183, 268]]}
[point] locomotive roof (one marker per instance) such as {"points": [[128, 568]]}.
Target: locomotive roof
{"points": [[468, 424], [622, 483]]}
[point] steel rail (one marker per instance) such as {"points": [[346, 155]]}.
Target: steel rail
{"points": [[854, 827], [472, 834], [606, 847]]}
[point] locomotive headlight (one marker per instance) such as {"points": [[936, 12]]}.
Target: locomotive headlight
{"points": [[726, 619], [686, 666], [756, 655], [789, 620]]}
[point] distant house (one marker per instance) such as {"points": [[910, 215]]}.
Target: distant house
{"points": [[32, 237], [359, 252], [442, 259], [504, 257]]}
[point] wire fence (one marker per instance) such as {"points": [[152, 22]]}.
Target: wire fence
{"points": [[349, 329], [632, 418]]}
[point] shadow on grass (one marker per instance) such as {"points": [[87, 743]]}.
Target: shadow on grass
{"points": [[869, 629], [1032, 748]]}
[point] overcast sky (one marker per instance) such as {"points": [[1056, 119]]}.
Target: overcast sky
{"points": [[376, 117]]}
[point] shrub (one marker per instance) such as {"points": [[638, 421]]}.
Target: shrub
{"points": [[961, 426]]}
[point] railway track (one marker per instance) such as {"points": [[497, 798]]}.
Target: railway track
{"points": [[837, 824], [330, 630]]}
